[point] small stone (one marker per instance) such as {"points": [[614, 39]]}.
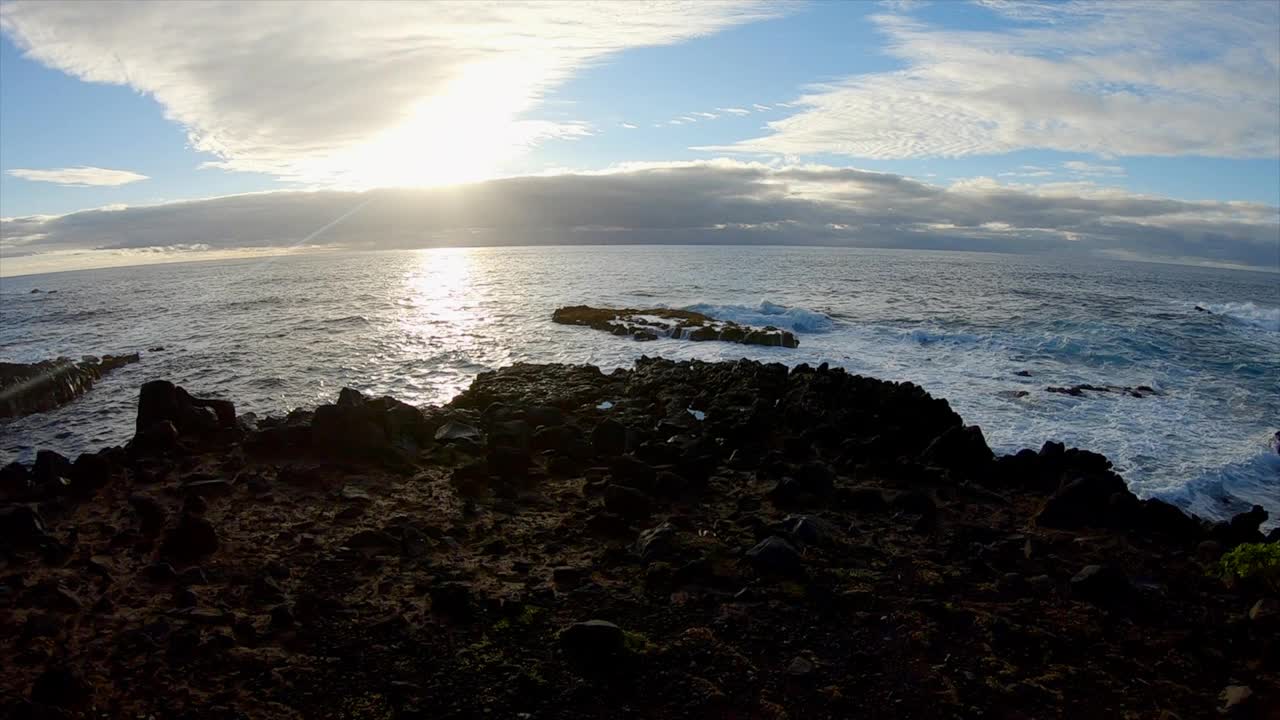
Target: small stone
{"points": [[566, 575], [281, 616], [627, 502], [775, 556], [592, 640], [21, 525], [1266, 612], [609, 438], [1235, 699], [60, 687], [452, 431], [208, 488], [194, 537], [800, 667], [161, 572], [150, 513], [1101, 585], [354, 493], [656, 543]]}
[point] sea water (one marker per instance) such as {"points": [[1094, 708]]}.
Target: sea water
{"points": [[277, 333]]}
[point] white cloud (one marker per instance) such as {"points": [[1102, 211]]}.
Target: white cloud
{"points": [[761, 108], [354, 94], [707, 115], [630, 126], [82, 176], [735, 111], [1079, 167], [721, 201], [1116, 78]]}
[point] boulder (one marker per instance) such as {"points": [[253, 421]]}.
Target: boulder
{"points": [[1082, 502], [161, 400], [656, 543], [628, 502], [775, 556], [191, 539], [62, 687], [1101, 585], [593, 641], [1243, 528], [22, 526], [609, 438], [961, 449]]}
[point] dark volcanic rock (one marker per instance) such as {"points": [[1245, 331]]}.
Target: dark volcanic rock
{"points": [[61, 687], [609, 438], [592, 641], [775, 556], [26, 389], [653, 323], [161, 400], [627, 502], [192, 538], [21, 525], [1101, 585], [960, 449]]}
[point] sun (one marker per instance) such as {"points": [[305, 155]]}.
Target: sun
{"points": [[465, 133]]}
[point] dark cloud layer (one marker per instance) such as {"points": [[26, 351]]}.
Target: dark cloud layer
{"points": [[713, 202]]}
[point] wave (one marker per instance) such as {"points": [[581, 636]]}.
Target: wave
{"points": [[799, 320], [1220, 493], [1267, 318]]}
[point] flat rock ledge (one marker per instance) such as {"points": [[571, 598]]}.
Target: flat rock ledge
{"points": [[37, 387], [653, 323], [673, 540]]}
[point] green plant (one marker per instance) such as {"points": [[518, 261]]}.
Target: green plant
{"points": [[1253, 561]]}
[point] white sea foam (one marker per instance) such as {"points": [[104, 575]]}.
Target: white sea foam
{"points": [[796, 319], [1267, 318]]}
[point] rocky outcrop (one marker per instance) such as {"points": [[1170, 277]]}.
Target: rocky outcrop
{"points": [[42, 386], [679, 539], [654, 323], [160, 402], [1139, 391]]}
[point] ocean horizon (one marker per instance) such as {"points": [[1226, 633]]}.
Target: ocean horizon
{"points": [[991, 333]]}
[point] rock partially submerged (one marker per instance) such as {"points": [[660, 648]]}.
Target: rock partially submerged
{"points": [[1139, 391], [653, 323], [37, 387]]}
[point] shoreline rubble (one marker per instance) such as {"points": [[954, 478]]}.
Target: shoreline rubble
{"points": [[679, 539]]}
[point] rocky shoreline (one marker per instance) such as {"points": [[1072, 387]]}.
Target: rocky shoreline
{"points": [[37, 387], [709, 540], [654, 323]]}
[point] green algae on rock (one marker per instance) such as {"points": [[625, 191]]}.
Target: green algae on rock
{"points": [[653, 323]]}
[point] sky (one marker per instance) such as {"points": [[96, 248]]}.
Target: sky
{"points": [[153, 131]]}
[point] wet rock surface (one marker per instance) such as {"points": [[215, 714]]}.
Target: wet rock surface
{"points": [[653, 323], [37, 387], [558, 542]]}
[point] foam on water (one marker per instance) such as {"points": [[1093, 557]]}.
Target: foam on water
{"points": [[1267, 318], [796, 319], [975, 329]]}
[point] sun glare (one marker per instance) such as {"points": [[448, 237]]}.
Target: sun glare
{"points": [[464, 134]]}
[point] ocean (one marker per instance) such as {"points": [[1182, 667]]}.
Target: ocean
{"points": [[987, 332]]}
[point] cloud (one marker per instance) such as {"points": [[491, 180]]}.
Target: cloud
{"points": [[82, 176], [760, 107], [630, 126], [1116, 78], [735, 111], [355, 94], [1079, 167], [720, 201]]}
